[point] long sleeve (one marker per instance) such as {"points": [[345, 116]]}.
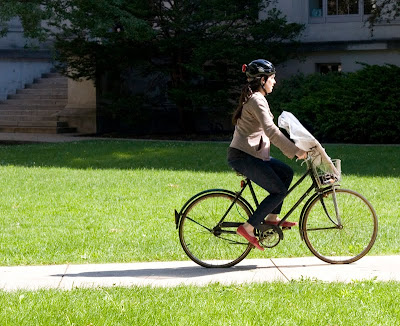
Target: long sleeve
{"points": [[256, 130], [264, 116]]}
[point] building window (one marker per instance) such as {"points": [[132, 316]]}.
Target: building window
{"points": [[324, 68], [343, 7], [327, 11], [316, 8], [368, 6]]}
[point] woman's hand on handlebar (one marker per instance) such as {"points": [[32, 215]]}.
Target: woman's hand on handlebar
{"points": [[302, 155]]}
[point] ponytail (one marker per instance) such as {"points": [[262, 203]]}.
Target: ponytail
{"points": [[247, 92]]}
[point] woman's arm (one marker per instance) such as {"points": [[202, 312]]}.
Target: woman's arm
{"points": [[263, 114]]}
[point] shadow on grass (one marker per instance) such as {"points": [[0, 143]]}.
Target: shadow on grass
{"points": [[188, 156]]}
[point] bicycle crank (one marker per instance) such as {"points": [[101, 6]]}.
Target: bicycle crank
{"points": [[269, 235]]}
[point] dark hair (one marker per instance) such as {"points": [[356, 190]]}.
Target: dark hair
{"points": [[247, 92]]}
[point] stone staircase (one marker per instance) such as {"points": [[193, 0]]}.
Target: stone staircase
{"points": [[35, 108]]}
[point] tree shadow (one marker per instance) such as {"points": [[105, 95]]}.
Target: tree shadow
{"points": [[182, 156], [119, 154]]}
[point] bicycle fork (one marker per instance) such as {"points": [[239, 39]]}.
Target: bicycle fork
{"points": [[337, 212], [338, 222]]}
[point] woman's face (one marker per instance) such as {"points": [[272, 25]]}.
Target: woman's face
{"points": [[269, 84]]}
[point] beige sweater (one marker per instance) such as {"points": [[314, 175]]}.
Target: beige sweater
{"points": [[256, 130]]}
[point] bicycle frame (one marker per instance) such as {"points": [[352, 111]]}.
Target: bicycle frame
{"points": [[314, 187], [248, 183]]}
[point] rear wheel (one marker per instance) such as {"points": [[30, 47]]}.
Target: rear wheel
{"points": [[340, 226], [208, 241]]}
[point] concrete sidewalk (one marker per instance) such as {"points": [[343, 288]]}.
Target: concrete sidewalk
{"points": [[380, 268]]}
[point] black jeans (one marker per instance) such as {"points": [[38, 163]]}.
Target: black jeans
{"points": [[274, 176]]}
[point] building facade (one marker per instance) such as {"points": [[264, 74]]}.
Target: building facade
{"points": [[337, 36]]}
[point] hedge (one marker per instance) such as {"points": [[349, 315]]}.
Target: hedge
{"points": [[357, 107]]}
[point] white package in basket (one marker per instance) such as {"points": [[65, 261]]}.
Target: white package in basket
{"points": [[306, 141]]}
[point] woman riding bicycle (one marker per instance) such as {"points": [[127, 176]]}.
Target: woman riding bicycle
{"points": [[249, 151]]}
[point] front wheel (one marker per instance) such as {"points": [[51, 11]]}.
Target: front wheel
{"points": [[340, 226], [207, 238]]}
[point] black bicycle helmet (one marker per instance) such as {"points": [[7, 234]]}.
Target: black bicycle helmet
{"points": [[258, 68]]}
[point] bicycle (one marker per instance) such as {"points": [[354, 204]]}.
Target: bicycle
{"points": [[339, 226]]}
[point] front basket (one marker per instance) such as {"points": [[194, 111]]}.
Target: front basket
{"points": [[327, 173]]}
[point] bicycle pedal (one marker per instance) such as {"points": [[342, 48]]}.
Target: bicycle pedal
{"points": [[286, 228]]}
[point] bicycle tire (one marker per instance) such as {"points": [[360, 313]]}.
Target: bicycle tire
{"points": [[340, 244], [208, 244]]}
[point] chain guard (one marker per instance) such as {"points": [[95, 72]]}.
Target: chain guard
{"points": [[269, 235]]}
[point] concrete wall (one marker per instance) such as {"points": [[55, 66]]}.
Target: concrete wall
{"points": [[349, 31], [20, 65], [15, 73], [15, 38], [350, 61], [80, 112]]}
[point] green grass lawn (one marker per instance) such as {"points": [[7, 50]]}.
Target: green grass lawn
{"points": [[296, 303], [113, 201]]}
